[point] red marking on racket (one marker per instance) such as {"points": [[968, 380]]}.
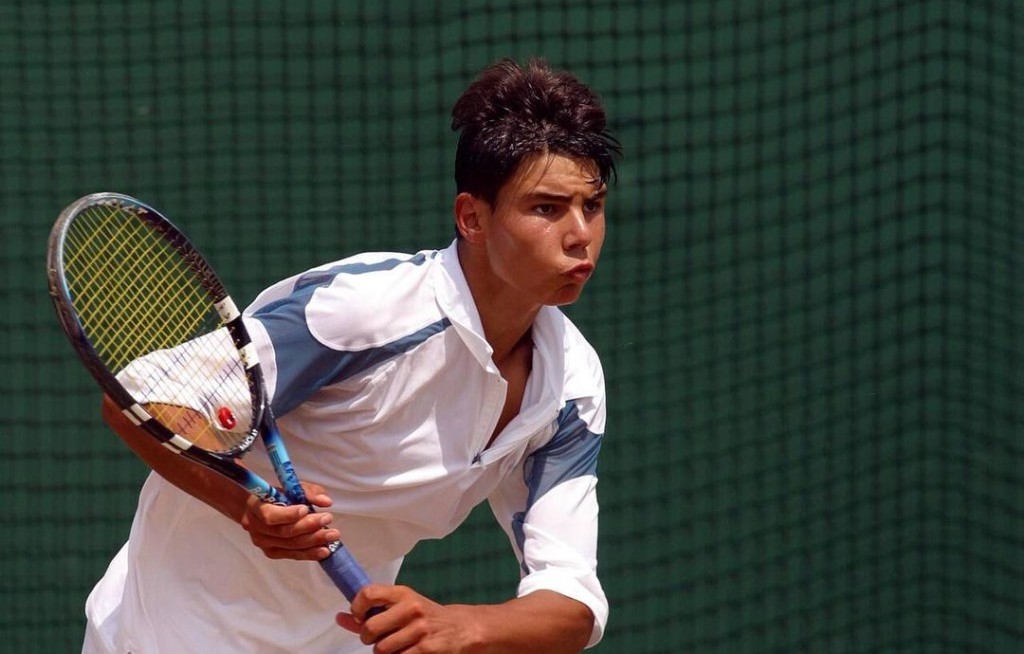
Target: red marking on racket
{"points": [[226, 418]]}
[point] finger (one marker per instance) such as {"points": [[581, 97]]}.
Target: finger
{"points": [[275, 514], [399, 640], [310, 524], [316, 495], [308, 554], [293, 519], [268, 519], [348, 621], [321, 500], [310, 531], [286, 539], [377, 595], [391, 630], [313, 546]]}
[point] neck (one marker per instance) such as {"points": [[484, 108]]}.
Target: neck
{"points": [[505, 315]]}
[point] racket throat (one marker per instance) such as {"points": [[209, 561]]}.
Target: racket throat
{"points": [[286, 473]]}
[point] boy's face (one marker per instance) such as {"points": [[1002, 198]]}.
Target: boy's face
{"points": [[546, 229]]}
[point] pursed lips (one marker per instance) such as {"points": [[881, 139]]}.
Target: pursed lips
{"points": [[581, 272]]}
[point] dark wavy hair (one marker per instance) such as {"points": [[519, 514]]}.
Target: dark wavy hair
{"points": [[511, 113]]}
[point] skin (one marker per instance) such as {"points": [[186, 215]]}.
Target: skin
{"points": [[536, 246]]}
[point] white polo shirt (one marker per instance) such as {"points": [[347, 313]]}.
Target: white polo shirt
{"points": [[386, 396]]}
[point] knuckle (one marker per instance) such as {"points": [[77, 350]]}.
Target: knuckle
{"points": [[284, 531], [265, 511]]}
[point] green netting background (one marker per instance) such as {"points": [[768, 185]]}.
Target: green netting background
{"points": [[809, 308]]}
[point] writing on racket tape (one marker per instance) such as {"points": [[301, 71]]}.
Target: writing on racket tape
{"points": [[228, 311]]}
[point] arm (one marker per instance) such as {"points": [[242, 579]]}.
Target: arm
{"points": [[280, 531], [550, 512], [543, 622]]}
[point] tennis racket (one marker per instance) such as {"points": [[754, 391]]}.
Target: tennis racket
{"points": [[157, 330]]}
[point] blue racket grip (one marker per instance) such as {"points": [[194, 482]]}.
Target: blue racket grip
{"points": [[343, 569], [347, 574]]}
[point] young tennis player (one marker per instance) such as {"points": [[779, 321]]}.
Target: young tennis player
{"points": [[409, 388]]}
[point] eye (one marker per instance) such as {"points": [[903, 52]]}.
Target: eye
{"points": [[593, 206], [544, 209]]}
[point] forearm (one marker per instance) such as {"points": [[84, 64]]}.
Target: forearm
{"points": [[196, 480], [541, 622]]}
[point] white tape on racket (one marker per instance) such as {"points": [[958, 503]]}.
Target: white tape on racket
{"points": [[249, 356], [136, 414], [227, 309]]}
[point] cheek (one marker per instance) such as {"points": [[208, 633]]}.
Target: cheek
{"points": [[598, 240], [532, 239], [514, 253]]}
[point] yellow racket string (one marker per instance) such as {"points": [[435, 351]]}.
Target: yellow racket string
{"points": [[134, 278], [119, 278], [136, 295]]}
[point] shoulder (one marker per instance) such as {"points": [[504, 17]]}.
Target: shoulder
{"points": [[358, 302]]}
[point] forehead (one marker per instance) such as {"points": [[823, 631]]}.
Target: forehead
{"points": [[551, 173]]}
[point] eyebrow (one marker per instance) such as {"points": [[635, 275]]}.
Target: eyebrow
{"points": [[561, 197]]}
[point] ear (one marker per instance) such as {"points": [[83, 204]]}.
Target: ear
{"points": [[470, 217]]}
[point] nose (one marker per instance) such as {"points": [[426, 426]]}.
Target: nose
{"points": [[579, 232]]}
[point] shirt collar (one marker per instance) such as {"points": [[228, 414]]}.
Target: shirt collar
{"points": [[456, 302]]}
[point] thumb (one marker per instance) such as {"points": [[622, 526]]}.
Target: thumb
{"points": [[348, 621]]}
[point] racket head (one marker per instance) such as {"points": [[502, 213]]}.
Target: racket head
{"points": [[154, 325]]}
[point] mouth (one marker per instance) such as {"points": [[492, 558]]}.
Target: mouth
{"points": [[580, 273]]}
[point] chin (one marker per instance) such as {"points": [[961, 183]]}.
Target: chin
{"points": [[565, 296]]}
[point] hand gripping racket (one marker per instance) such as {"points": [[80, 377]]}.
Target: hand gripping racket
{"points": [[156, 328]]}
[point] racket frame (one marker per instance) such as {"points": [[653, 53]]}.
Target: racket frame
{"points": [[63, 302], [339, 565]]}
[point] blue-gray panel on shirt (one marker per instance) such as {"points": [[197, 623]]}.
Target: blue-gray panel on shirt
{"points": [[571, 453], [317, 278], [305, 365]]}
